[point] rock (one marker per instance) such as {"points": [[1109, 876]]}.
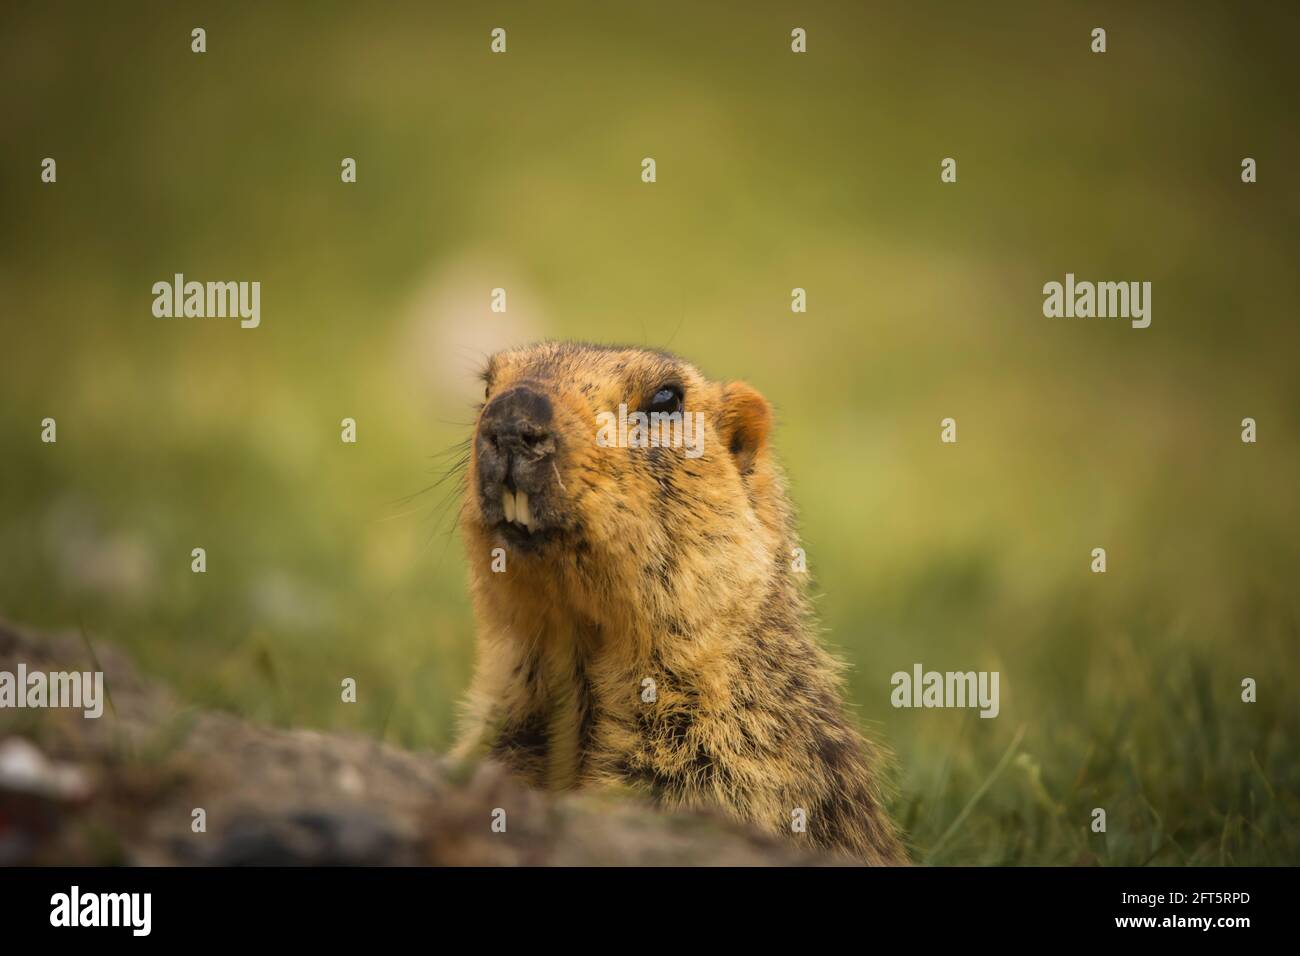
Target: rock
{"points": [[125, 788], [24, 769]]}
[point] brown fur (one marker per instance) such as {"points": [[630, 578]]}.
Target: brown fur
{"points": [[659, 566]]}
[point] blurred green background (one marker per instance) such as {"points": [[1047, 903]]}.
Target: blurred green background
{"points": [[775, 170]]}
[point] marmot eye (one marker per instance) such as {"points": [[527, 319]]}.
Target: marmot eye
{"points": [[666, 401]]}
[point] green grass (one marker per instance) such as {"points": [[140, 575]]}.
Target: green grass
{"points": [[1119, 691]]}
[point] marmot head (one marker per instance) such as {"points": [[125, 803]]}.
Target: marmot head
{"points": [[620, 467]]}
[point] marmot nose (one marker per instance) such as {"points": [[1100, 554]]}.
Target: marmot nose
{"points": [[515, 434]]}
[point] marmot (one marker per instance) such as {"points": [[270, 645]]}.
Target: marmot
{"points": [[640, 620]]}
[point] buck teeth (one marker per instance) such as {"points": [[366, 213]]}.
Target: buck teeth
{"points": [[515, 506]]}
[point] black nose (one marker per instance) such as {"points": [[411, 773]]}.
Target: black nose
{"points": [[515, 439]]}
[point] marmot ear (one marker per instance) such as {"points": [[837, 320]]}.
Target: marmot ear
{"points": [[746, 420]]}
